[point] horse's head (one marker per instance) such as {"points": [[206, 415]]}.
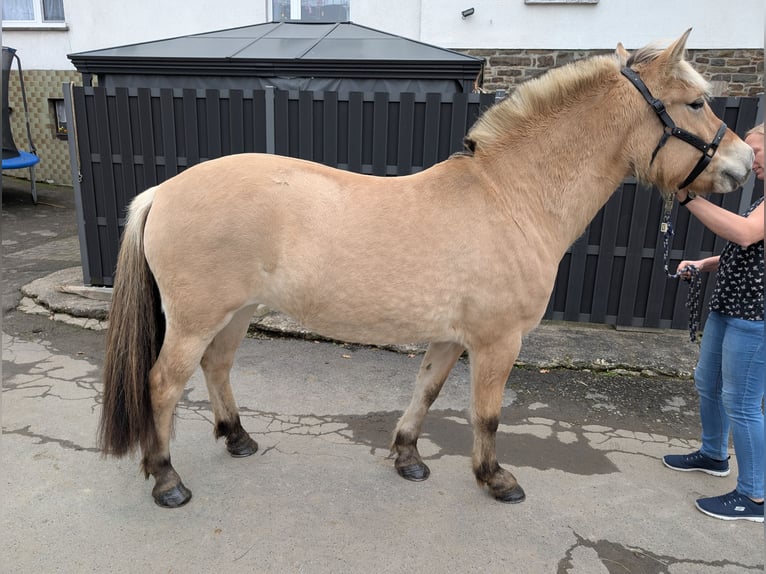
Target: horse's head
{"points": [[680, 142]]}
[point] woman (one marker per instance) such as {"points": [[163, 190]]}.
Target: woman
{"points": [[730, 374]]}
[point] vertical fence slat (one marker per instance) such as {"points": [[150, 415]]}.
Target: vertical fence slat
{"points": [[330, 128], [259, 120], [237, 121], [431, 137], [605, 261], [191, 130], [576, 276], [380, 133], [126, 144], [656, 292], [355, 131], [213, 112], [74, 162], [306, 125], [406, 134], [87, 184], [147, 137], [168, 132], [281, 123], [106, 181], [630, 282], [459, 121]]}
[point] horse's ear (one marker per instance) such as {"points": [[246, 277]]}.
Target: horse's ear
{"points": [[622, 54], [675, 52]]}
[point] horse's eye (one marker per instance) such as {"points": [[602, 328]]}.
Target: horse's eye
{"points": [[697, 104]]}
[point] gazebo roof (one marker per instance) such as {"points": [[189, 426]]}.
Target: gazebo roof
{"points": [[342, 49]]}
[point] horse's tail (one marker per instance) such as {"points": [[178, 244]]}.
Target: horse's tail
{"points": [[134, 337]]}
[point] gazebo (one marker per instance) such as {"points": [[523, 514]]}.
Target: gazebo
{"points": [[338, 57]]}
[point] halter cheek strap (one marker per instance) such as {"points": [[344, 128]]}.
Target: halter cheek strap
{"points": [[708, 149], [707, 155]]}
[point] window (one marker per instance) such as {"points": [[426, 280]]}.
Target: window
{"points": [[310, 10], [33, 13], [59, 118]]}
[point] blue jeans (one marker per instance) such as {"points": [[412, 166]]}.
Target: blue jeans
{"points": [[730, 379]]}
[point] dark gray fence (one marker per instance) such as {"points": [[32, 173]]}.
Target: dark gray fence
{"points": [[614, 273], [127, 139]]}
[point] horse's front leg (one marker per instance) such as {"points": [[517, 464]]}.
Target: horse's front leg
{"points": [[436, 366], [490, 367]]}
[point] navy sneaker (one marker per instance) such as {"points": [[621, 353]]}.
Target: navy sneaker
{"points": [[732, 506], [696, 461]]}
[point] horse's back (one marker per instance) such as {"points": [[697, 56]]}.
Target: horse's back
{"points": [[355, 257]]}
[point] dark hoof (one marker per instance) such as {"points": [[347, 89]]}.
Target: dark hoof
{"points": [[173, 498], [414, 472], [242, 448], [513, 496]]}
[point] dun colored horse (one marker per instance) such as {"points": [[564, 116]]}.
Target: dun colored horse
{"points": [[462, 255]]}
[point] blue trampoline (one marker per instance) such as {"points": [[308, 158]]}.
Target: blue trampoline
{"points": [[24, 159]]}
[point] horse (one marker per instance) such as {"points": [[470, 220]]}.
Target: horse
{"points": [[462, 255]]}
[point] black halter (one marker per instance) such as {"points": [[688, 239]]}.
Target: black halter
{"points": [[708, 149]]}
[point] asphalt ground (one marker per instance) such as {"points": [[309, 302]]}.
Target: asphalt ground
{"points": [[589, 412]]}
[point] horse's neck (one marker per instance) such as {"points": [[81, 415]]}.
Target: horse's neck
{"points": [[557, 183]]}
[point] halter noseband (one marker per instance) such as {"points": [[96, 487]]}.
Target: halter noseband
{"points": [[708, 149]]}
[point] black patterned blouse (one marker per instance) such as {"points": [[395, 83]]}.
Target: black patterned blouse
{"points": [[739, 286]]}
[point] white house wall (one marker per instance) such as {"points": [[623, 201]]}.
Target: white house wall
{"points": [[516, 25], [509, 24]]}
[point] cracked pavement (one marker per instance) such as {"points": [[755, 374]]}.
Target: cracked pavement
{"points": [[321, 494]]}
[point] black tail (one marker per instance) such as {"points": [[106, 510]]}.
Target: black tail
{"points": [[134, 338]]}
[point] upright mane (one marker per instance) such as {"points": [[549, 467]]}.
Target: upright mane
{"points": [[683, 71], [549, 94], [555, 91]]}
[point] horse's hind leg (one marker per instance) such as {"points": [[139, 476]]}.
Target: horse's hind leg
{"points": [[216, 364], [490, 367], [437, 363], [176, 362]]}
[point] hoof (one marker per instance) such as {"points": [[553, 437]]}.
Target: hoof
{"points": [[173, 498], [414, 472], [242, 448], [513, 496]]}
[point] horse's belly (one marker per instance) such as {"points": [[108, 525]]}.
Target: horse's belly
{"points": [[369, 315]]}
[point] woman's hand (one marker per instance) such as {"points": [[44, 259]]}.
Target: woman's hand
{"points": [[685, 265], [703, 265]]}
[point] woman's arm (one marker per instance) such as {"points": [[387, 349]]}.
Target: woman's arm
{"points": [[731, 226]]}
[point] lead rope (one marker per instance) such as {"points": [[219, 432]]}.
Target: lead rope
{"points": [[694, 278]]}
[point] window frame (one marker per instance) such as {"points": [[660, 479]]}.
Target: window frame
{"points": [[298, 4], [58, 111], [37, 23]]}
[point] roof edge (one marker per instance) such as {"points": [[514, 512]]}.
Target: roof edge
{"points": [[80, 57]]}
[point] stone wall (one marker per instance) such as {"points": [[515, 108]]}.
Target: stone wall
{"points": [[732, 72], [43, 87]]}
